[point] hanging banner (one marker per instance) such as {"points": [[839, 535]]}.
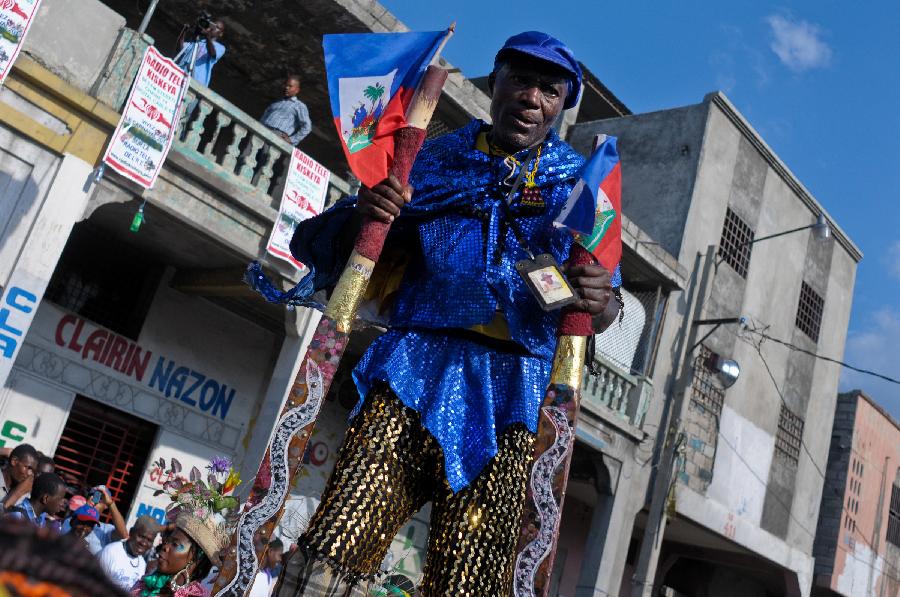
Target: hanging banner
{"points": [[16, 17], [141, 142], [304, 197]]}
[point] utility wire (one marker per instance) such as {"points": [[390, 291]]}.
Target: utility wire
{"points": [[822, 357], [844, 509]]}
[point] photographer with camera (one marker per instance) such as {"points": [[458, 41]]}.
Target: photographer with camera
{"points": [[201, 39]]}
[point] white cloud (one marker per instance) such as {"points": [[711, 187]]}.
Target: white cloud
{"points": [[875, 348], [892, 259], [797, 43]]}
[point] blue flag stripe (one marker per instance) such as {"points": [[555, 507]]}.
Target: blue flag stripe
{"points": [[601, 163], [580, 210]]}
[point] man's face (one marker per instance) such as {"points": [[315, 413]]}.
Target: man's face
{"points": [[291, 87], [22, 468], [216, 29], [273, 557], [528, 96], [56, 503], [140, 540], [82, 529]]}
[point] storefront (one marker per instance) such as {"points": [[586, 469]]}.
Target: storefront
{"points": [[108, 401]]}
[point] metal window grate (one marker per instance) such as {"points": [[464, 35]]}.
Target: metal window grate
{"points": [[809, 311], [735, 247], [103, 446], [704, 390], [790, 434], [893, 532]]}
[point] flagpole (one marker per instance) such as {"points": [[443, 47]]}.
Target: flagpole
{"points": [[283, 460], [450, 31]]}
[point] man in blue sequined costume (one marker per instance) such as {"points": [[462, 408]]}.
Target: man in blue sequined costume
{"points": [[450, 393]]}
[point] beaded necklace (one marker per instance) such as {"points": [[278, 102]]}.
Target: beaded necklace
{"points": [[531, 194]]}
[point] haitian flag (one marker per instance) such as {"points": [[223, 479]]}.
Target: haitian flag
{"points": [[371, 81], [593, 210]]}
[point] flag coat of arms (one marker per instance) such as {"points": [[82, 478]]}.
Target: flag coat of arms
{"points": [[371, 81], [593, 211]]}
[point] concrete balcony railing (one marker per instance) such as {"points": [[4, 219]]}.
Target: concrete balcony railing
{"points": [[225, 140], [616, 394]]}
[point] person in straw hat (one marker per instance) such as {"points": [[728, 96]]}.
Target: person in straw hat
{"points": [[202, 513], [185, 558]]}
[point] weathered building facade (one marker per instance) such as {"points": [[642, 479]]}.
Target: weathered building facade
{"points": [[751, 458], [857, 547]]}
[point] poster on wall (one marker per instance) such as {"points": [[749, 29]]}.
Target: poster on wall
{"points": [[142, 140], [16, 17], [304, 197]]}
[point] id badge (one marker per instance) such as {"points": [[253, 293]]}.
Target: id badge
{"points": [[546, 282]]}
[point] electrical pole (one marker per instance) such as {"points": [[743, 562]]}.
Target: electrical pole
{"points": [[645, 571]]}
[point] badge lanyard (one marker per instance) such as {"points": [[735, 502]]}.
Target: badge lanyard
{"points": [[540, 273]]}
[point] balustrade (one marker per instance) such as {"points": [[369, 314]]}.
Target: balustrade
{"points": [[620, 394], [223, 138]]}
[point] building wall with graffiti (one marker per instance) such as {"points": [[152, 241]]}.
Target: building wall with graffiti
{"points": [[196, 371]]}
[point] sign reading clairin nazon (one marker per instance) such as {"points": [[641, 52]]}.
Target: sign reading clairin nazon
{"points": [[16, 17], [303, 197], [141, 142], [161, 374]]}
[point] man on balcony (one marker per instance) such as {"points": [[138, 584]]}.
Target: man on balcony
{"points": [[209, 50], [288, 116]]}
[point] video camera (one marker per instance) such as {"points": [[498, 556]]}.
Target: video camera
{"points": [[204, 20]]}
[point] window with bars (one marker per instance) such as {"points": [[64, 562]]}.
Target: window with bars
{"points": [[809, 311], [103, 446], [704, 390], [735, 247], [790, 434], [893, 533]]}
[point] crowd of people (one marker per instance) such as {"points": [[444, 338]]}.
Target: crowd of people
{"points": [[48, 521]]}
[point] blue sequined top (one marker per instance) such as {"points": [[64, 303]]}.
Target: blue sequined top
{"points": [[461, 274]]}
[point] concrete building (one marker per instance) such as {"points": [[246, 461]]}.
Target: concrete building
{"points": [[122, 348], [857, 546], [750, 472]]}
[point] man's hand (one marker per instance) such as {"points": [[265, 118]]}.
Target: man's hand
{"points": [[592, 284], [285, 136], [117, 519], [105, 497], [383, 201], [19, 491]]}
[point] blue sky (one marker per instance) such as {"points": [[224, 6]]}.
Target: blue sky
{"points": [[819, 80]]}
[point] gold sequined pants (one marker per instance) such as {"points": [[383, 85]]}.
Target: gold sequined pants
{"points": [[388, 468]]}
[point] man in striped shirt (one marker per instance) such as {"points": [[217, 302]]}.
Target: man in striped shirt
{"points": [[288, 116]]}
